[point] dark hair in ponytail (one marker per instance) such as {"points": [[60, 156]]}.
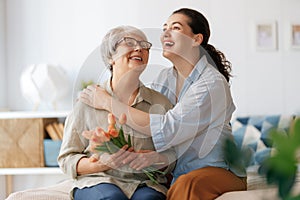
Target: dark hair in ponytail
{"points": [[199, 24]]}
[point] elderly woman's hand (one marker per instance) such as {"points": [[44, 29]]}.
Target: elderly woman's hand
{"points": [[96, 97], [110, 160], [95, 137]]}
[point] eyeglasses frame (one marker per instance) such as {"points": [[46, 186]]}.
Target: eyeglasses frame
{"points": [[135, 43]]}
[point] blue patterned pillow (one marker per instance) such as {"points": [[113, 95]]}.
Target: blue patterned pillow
{"points": [[256, 121], [242, 120], [269, 123], [261, 155], [274, 122], [247, 136], [254, 132]]}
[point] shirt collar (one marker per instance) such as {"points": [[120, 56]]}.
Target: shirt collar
{"points": [[198, 69], [143, 94], [196, 72], [194, 75]]}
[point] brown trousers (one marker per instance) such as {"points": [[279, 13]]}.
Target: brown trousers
{"points": [[205, 184]]}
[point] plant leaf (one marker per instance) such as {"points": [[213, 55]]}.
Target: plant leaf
{"points": [[129, 141], [122, 137]]}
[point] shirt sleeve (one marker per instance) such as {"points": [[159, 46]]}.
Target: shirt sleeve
{"points": [[74, 145], [201, 108], [171, 155]]}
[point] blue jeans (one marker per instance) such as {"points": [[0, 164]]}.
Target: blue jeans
{"points": [[107, 191]]}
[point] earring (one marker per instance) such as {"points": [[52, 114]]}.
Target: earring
{"points": [[111, 62]]}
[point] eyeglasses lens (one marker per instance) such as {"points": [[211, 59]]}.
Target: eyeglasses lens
{"points": [[131, 42]]}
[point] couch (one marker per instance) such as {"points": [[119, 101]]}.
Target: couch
{"points": [[254, 132], [248, 131]]}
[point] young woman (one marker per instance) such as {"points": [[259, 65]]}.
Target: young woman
{"points": [[125, 50], [197, 126]]}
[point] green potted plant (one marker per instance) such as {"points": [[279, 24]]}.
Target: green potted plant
{"points": [[84, 84], [281, 168]]}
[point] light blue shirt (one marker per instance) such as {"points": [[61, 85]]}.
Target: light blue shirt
{"points": [[199, 121]]}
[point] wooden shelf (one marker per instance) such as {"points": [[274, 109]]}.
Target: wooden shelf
{"points": [[32, 171], [33, 114]]}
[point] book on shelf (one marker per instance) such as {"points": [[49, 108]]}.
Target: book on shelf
{"points": [[55, 130]]}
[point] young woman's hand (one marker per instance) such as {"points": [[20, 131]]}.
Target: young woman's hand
{"points": [[96, 97], [145, 158], [114, 161]]}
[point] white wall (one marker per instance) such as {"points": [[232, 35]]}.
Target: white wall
{"points": [[274, 73], [3, 102], [66, 32]]}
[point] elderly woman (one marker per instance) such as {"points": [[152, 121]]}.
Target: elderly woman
{"points": [[125, 50]]}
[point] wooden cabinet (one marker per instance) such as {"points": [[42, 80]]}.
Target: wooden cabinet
{"points": [[22, 137]]}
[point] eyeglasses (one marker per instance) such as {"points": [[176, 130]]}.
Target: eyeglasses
{"points": [[131, 42]]}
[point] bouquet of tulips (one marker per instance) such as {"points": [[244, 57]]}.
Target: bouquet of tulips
{"points": [[113, 140]]}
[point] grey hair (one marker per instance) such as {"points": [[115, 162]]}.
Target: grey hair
{"points": [[110, 40]]}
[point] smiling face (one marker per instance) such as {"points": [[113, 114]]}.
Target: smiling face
{"points": [[128, 56], [177, 38]]}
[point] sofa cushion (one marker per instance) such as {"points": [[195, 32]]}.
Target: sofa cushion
{"points": [[254, 132], [60, 191]]}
